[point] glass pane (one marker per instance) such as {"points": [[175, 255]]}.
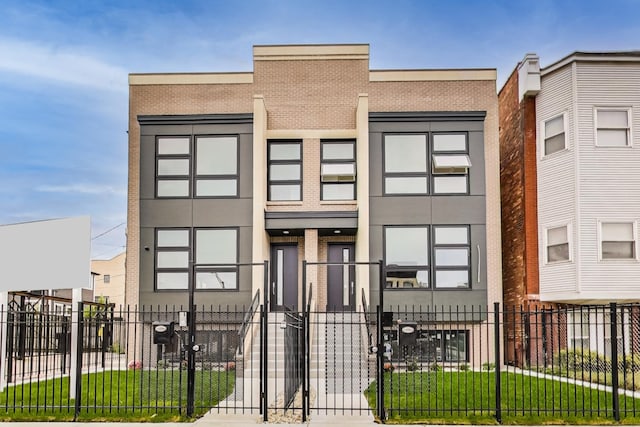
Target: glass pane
{"points": [[338, 191], [407, 279], [338, 169], [452, 278], [405, 185], [173, 167], [345, 278], [450, 184], [451, 235], [619, 231], [452, 257], [612, 137], [554, 144], [617, 250], [173, 188], [216, 187], [441, 161], [280, 276], [455, 346], [612, 119], [407, 246], [216, 280], [554, 127], [173, 238], [405, 153], [557, 236], [557, 253], [285, 192], [338, 151], [172, 280], [172, 259], [284, 151], [457, 142], [217, 155], [175, 145], [216, 246], [284, 172]]}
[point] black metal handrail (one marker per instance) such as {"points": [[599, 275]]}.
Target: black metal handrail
{"points": [[255, 303]]}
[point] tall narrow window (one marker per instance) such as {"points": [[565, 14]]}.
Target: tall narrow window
{"points": [[216, 166], [173, 157], [558, 244], [338, 170], [285, 170], [554, 135], [407, 257], [617, 240], [450, 163], [612, 127], [452, 256], [172, 259], [405, 164]]}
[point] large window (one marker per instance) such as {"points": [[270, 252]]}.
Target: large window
{"points": [[612, 127], [285, 170], [213, 164], [216, 166], [434, 346], [450, 163], [452, 256], [405, 164], [407, 257], [338, 170], [617, 240], [214, 254], [554, 135], [558, 244]]}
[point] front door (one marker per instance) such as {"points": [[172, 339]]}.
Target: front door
{"points": [[284, 277], [341, 278]]}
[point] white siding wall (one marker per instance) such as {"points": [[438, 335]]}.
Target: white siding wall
{"points": [[556, 181], [609, 177]]}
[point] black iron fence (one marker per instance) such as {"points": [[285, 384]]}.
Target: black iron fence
{"points": [[401, 363]]}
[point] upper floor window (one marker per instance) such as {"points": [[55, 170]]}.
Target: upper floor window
{"points": [[618, 240], [554, 135], [612, 127], [214, 254], [338, 170], [558, 244], [450, 163], [173, 166], [216, 166], [405, 164], [285, 170], [215, 173]]}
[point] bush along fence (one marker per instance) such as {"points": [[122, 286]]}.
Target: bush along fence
{"points": [[402, 364]]}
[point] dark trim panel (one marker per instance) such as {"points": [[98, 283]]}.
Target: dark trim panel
{"points": [[203, 119], [310, 214], [420, 116]]}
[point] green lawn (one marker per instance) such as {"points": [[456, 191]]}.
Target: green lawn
{"points": [[117, 396], [469, 397]]}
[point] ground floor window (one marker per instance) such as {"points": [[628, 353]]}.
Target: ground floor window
{"points": [[432, 345]]}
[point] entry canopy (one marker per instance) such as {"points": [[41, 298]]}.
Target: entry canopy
{"points": [[49, 254]]}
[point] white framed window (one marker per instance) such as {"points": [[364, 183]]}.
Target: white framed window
{"points": [[617, 240], [557, 244], [554, 135], [612, 126]]}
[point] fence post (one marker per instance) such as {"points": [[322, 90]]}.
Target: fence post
{"points": [[380, 366], [264, 377], [78, 371], [496, 340], [614, 361], [302, 336]]}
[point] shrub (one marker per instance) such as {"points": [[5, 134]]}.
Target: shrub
{"points": [[135, 364], [581, 360], [388, 367], [488, 366], [464, 367], [434, 367], [412, 364]]}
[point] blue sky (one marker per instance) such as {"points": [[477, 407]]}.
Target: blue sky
{"points": [[64, 67]]}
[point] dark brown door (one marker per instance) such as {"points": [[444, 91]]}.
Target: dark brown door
{"points": [[341, 278], [284, 277]]}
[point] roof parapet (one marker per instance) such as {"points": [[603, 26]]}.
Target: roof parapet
{"points": [[529, 76]]}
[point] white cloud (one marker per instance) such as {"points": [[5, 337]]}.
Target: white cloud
{"points": [[62, 65], [82, 189]]}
